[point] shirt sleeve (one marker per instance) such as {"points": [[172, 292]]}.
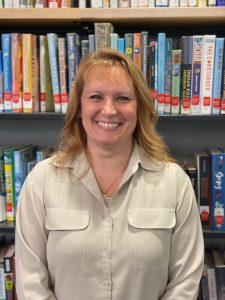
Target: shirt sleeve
{"points": [[32, 277], [187, 249]]}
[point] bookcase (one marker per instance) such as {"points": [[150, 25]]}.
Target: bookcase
{"points": [[184, 134]]}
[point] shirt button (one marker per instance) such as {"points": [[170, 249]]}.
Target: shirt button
{"points": [[108, 284], [108, 219]]}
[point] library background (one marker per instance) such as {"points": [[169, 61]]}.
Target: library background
{"points": [[179, 46]]}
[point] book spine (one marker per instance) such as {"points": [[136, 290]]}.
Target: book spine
{"points": [[9, 277], [7, 77], [71, 58], [142, 3], [218, 190], [35, 74], [161, 3], [212, 283], [82, 3], [124, 3], [128, 37], [27, 72], [161, 72], [9, 179], [17, 174], [137, 49], [121, 45], [96, 3], [176, 78], [144, 52], [185, 103], [42, 50], [54, 3], [54, 66], [1, 84], [152, 74], [151, 3], [113, 3], [222, 104], [66, 3], [204, 188], [217, 80], [91, 39], [2, 188], [114, 40], [84, 48], [17, 91], [207, 74], [168, 76], [63, 72], [40, 4], [196, 73], [102, 35], [220, 2]]}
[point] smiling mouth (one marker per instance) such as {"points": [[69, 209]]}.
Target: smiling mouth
{"points": [[108, 125]]}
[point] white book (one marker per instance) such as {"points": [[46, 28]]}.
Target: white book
{"points": [[183, 3], [113, 3], [207, 74], [192, 3], [133, 3], [174, 3], [151, 3], [8, 3], [143, 3], [96, 3]]}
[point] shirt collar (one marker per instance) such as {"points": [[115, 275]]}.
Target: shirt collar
{"points": [[138, 158]]}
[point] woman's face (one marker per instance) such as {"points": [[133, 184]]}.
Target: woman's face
{"points": [[108, 107]]}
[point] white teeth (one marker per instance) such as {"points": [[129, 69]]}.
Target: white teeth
{"points": [[108, 125]]}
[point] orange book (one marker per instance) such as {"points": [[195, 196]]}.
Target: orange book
{"points": [[137, 49]]}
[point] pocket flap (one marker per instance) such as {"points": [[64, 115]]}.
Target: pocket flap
{"points": [[152, 218], [66, 219]]}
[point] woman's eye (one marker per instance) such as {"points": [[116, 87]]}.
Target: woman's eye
{"points": [[95, 97], [123, 99]]}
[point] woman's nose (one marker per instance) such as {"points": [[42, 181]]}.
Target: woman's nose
{"points": [[109, 107]]}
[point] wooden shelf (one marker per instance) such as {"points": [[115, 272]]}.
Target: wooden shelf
{"points": [[60, 116], [153, 16]]}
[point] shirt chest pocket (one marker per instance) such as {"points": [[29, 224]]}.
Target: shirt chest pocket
{"points": [[149, 236], [66, 245]]}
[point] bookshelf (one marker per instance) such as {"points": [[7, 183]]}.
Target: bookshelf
{"points": [[183, 134]]}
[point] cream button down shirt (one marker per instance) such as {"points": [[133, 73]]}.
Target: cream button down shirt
{"points": [[144, 243]]}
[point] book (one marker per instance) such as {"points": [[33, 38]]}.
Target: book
{"points": [[219, 266], [121, 45], [1, 84], [152, 71], [218, 189], [161, 71], [54, 67], [114, 40], [46, 92], [137, 51], [186, 46], [8, 269], [211, 276], [144, 53], [102, 35], [27, 72], [9, 181], [217, 79], [197, 57], [204, 196], [207, 74], [71, 48], [128, 38], [176, 81], [168, 76], [3, 250], [63, 73], [17, 88], [2, 187], [7, 76], [20, 159]]}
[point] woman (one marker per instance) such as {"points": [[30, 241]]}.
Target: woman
{"points": [[110, 216]]}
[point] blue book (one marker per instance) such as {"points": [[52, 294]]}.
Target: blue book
{"points": [[161, 71], [217, 76], [7, 76], [54, 67], [218, 189], [91, 38], [121, 45], [74, 56], [1, 85], [21, 158]]}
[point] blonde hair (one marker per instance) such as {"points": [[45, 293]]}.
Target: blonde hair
{"points": [[73, 138]]}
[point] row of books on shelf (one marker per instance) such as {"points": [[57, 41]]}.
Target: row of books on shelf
{"points": [[7, 272], [207, 175], [15, 164], [185, 75], [212, 285], [108, 3]]}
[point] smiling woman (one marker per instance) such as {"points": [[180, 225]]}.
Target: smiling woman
{"points": [[110, 215]]}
